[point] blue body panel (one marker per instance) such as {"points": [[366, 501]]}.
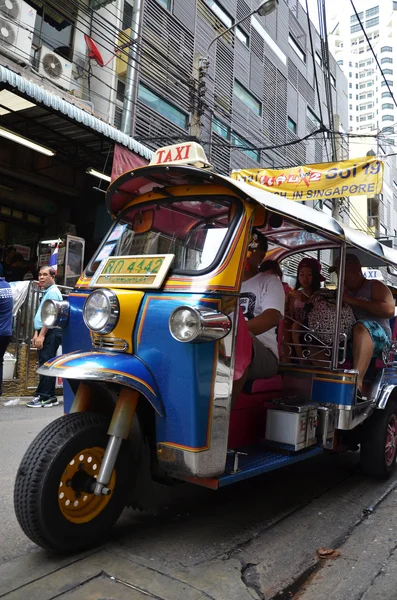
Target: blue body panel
{"points": [[75, 336], [184, 372], [341, 394], [181, 374]]}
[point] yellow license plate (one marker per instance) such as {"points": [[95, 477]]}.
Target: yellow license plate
{"points": [[134, 266], [133, 271]]}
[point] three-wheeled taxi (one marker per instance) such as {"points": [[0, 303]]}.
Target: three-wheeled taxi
{"points": [[151, 341]]}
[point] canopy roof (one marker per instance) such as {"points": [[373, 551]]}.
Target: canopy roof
{"points": [[304, 228]]}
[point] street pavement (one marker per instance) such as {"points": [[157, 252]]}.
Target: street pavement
{"points": [[257, 539]]}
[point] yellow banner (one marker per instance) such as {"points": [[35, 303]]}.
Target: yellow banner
{"points": [[357, 177]]}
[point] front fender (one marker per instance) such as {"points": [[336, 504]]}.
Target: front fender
{"points": [[126, 369]]}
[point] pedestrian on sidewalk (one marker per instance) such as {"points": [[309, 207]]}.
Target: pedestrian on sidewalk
{"points": [[6, 306], [47, 341]]}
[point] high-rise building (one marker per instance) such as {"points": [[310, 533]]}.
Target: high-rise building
{"points": [[372, 107]]}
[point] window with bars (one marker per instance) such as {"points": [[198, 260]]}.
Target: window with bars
{"points": [[220, 12], [372, 22], [249, 99], [239, 141], [225, 132], [128, 10], [296, 48], [162, 106], [353, 18], [165, 3], [370, 12], [313, 117], [292, 125]]}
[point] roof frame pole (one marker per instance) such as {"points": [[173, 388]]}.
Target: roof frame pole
{"points": [[339, 303], [132, 79]]}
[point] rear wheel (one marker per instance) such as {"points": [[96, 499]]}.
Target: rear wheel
{"points": [[379, 442], [53, 497]]}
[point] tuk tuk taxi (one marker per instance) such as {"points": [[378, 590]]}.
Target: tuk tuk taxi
{"points": [[151, 342]]}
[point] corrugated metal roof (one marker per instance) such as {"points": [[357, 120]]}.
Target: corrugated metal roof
{"points": [[40, 95]]}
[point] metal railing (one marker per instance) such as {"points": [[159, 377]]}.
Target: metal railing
{"points": [[314, 347]]}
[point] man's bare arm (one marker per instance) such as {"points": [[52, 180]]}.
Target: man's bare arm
{"points": [[381, 304], [264, 322]]}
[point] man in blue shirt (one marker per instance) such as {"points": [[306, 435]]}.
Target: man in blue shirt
{"points": [[47, 341], [6, 306]]}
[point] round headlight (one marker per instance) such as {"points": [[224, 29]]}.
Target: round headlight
{"points": [[54, 313], [101, 311], [185, 324]]}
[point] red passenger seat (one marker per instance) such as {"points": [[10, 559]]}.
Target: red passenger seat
{"points": [[247, 417]]}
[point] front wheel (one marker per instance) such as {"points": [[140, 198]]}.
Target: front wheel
{"points": [[53, 497], [379, 442]]}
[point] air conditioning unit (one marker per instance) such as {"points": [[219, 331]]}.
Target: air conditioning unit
{"points": [[55, 68], [11, 9], [17, 21], [15, 41]]}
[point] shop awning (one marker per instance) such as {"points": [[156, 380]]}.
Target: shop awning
{"points": [[62, 125]]}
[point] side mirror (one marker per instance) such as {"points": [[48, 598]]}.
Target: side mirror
{"points": [[142, 221]]}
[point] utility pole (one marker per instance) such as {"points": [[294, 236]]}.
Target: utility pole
{"points": [[132, 79], [197, 90], [201, 65]]}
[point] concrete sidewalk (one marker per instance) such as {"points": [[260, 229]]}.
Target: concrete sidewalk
{"points": [[366, 569], [116, 574], [367, 566]]}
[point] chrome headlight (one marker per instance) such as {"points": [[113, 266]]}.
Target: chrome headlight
{"points": [[189, 324], [101, 311], [54, 313]]}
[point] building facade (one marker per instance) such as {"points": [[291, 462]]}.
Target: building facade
{"points": [[256, 89], [249, 98]]}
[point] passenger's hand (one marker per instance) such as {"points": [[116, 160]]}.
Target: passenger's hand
{"points": [[347, 299], [39, 342]]}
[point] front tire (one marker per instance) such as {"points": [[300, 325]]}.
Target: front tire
{"points": [[52, 498], [379, 442]]}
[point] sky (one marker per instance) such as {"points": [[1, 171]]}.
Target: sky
{"points": [[332, 7]]}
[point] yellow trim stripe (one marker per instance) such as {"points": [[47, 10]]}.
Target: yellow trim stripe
{"points": [[313, 372], [181, 447], [79, 295]]}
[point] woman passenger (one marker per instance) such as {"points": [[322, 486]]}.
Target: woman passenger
{"points": [[308, 282]]}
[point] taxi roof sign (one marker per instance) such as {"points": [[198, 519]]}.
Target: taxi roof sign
{"points": [[186, 153]]}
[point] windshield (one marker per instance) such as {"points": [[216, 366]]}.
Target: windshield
{"points": [[194, 230]]}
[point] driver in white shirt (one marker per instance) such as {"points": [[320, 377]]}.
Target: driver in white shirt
{"points": [[262, 300]]}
